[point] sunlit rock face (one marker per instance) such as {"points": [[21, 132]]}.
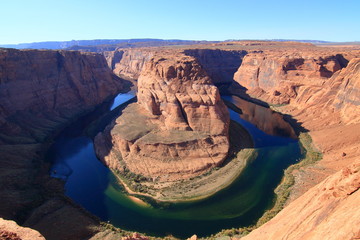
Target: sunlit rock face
{"points": [[279, 77], [178, 128]]}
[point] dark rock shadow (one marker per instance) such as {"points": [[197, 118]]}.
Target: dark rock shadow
{"points": [[237, 90]]}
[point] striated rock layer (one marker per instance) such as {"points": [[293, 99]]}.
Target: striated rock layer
{"points": [[325, 99], [179, 128], [219, 64], [281, 76], [44, 83], [41, 92], [330, 210], [128, 63]]}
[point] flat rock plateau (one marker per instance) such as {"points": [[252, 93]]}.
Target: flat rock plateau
{"points": [[179, 111]]}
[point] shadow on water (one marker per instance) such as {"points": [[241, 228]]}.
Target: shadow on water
{"points": [[235, 89], [261, 118], [94, 186], [74, 160]]}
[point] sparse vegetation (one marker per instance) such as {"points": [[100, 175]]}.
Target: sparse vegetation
{"points": [[202, 186], [311, 156]]}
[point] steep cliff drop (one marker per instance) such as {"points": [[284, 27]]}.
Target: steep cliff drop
{"points": [[330, 210], [128, 63], [278, 76], [41, 92], [322, 93], [176, 131]]}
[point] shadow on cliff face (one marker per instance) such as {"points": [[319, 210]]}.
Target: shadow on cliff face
{"points": [[241, 92], [222, 65], [219, 64]]}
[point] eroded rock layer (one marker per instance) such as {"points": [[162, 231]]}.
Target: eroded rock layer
{"points": [[330, 210], [282, 75], [41, 92], [128, 63], [179, 127], [50, 84]]}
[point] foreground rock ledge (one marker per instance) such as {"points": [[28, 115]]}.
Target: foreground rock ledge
{"points": [[10, 230], [177, 130]]}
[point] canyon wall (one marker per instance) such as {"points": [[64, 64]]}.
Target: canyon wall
{"points": [[330, 210], [128, 63], [50, 84], [347, 99], [322, 96], [278, 76], [181, 124], [334, 102], [219, 64], [180, 119], [41, 92]]}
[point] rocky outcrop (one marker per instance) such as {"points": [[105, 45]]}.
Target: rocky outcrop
{"points": [[347, 98], [221, 65], [336, 101], [178, 129], [330, 210], [128, 63], [278, 77], [41, 92], [330, 110], [9, 230], [50, 84]]}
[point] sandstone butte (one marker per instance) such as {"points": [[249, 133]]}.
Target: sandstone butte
{"points": [[178, 129], [317, 86]]}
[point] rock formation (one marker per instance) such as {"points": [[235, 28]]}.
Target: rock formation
{"points": [[128, 63], [41, 92], [219, 64], [280, 76], [330, 210], [178, 129], [178, 121], [347, 99], [45, 83], [328, 106], [9, 230]]}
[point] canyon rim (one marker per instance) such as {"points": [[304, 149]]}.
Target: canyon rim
{"points": [[179, 127]]}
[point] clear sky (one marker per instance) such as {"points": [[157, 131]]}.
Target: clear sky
{"points": [[23, 21]]}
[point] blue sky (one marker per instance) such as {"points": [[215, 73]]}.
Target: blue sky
{"points": [[25, 21]]}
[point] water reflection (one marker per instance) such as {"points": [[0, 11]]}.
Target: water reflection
{"points": [[94, 186], [263, 118]]}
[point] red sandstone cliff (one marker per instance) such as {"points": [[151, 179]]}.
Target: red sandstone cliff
{"points": [[219, 64], [50, 84], [323, 97], [128, 62], [181, 124], [330, 210], [279, 76], [329, 108], [40, 92]]}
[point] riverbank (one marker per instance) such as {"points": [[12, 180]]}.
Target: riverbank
{"points": [[283, 191], [203, 186]]}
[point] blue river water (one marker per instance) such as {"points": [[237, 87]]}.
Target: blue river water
{"points": [[92, 185]]}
